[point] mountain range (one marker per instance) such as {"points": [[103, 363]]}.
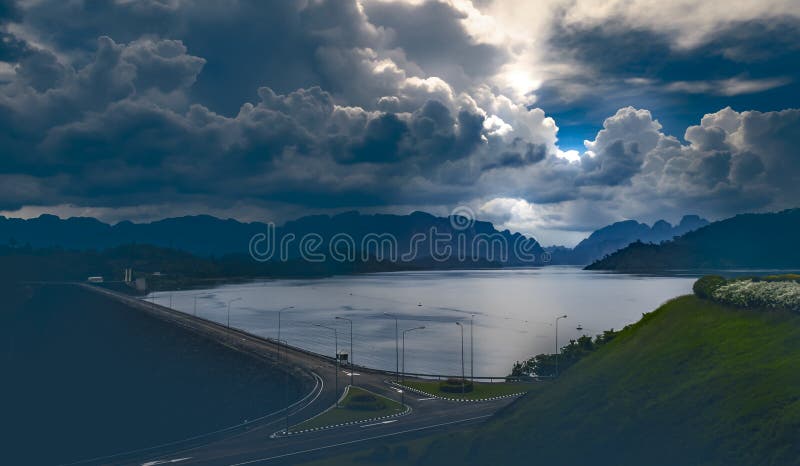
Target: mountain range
{"points": [[420, 239], [616, 236], [745, 241], [208, 236]]}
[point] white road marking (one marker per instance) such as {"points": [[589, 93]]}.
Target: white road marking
{"points": [[379, 423], [426, 399], [261, 460], [348, 373], [176, 460]]}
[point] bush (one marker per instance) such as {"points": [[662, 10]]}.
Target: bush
{"points": [[760, 295], [455, 386], [786, 277], [706, 286], [365, 402]]}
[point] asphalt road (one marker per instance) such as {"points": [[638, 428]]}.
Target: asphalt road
{"points": [[254, 442]]}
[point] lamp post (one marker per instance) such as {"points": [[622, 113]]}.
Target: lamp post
{"points": [[279, 324], [396, 346], [336, 348], [463, 387], [471, 350], [558, 350], [229, 310], [285, 395], [403, 392], [351, 347]]}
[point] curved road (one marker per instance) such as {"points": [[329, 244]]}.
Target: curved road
{"points": [[253, 443]]}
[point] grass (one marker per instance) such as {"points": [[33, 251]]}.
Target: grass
{"points": [[480, 390], [346, 413], [693, 382]]}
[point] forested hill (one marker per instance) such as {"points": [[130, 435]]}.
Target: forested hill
{"points": [[207, 236], [744, 241]]}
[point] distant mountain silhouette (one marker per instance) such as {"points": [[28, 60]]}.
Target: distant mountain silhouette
{"points": [[744, 241], [618, 235], [478, 244]]}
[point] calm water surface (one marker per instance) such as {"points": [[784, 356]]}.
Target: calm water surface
{"points": [[514, 312]]}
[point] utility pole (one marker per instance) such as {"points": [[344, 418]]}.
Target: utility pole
{"points": [[351, 348]]}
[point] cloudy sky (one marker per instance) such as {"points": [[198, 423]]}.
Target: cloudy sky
{"points": [[551, 117]]}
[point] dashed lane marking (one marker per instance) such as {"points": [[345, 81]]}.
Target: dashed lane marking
{"points": [[380, 423]]}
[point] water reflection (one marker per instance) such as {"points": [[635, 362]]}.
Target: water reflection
{"points": [[514, 312]]}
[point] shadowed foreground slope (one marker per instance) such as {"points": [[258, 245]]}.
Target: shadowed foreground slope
{"points": [[691, 383]]}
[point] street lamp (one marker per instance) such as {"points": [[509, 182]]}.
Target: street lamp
{"points": [[336, 346], [558, 350], [195, 303], [229, 310], [351, 347], [285, 394], [396, 346], [471, 350], [279, 324], [463, 388], [403, 392]]}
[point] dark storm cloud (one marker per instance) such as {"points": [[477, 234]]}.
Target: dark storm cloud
{"points": [[117, 132], [524, 154], [11, 48], [748, 64], [331, 104], [415, 28]]}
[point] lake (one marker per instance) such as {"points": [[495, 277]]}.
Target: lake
{"points": [[514, 312]]}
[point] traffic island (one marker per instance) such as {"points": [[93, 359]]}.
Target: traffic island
{"points": [[357, 406], [458, 390]]}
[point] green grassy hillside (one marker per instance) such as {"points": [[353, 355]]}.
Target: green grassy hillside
{"points": [[692, 383]]}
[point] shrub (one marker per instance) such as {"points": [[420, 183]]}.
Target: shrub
{"points": [[365, 402], [455, 386], [783, 277], [761, 294], [705, 286]]}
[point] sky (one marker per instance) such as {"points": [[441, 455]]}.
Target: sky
{"points": [[551, 118]]}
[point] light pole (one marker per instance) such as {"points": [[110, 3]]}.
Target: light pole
{"points": [[558, 351], [463, 387], [285, 395], [279, 325], [229, 309], [351, 347], [195, 303], [471, 350], [396, 346], [336, 348], [403, 392]]}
